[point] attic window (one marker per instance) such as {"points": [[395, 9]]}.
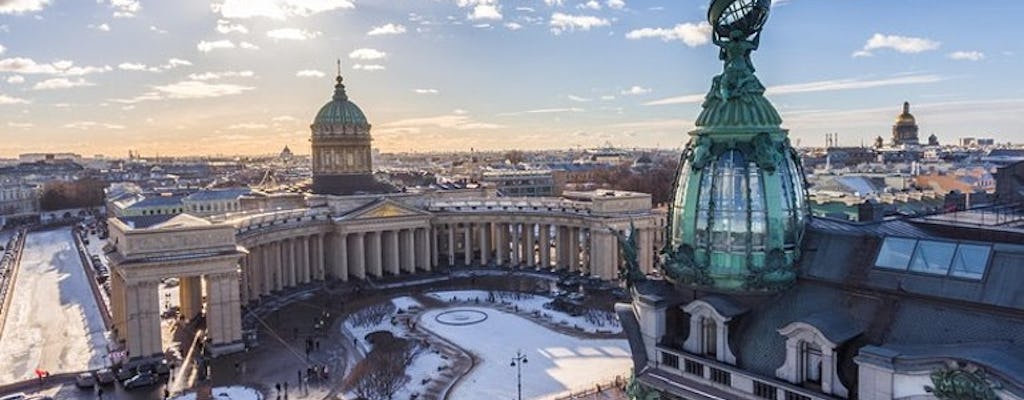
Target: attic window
{"points": [[960, 260]]}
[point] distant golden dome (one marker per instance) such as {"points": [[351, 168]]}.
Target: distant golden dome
{"points": [[906, 118]]}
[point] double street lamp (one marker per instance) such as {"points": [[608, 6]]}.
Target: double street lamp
{"points": [[518, 362]]}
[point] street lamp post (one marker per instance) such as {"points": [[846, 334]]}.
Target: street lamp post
{"points": [[518, 362]]}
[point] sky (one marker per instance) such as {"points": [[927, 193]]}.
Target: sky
{"points": [[237, 77]]}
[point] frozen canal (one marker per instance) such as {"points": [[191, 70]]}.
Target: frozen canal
{"points": [[557, 363], [54, 323]]}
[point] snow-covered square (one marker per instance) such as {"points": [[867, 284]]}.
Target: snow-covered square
{"points": [[557, 363]]}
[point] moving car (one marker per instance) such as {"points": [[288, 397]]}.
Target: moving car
{"points": [[140, 380], [85, 380]]}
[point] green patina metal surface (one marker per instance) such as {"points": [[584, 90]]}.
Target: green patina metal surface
{"points": [[739, 204], [962, 384], [340, 110]]}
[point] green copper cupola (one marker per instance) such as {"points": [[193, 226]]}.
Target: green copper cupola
{"points": [[739, 203]]}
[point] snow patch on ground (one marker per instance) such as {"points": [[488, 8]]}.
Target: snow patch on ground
{"points": [[406, 303], [531, 304], [557, 363], [227, 393], [423, 369]]}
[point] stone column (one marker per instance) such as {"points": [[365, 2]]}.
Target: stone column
{"points": [[574, 249], [451, 245], [391, 255], [340, 251], [287, 263], [373, 264], [319, 271], [356, 255], [485, 243], [544, 247], [423, 253], [603, 254], [563, 247], [278, 265], [468, 244], [224, 321], [304, 270], [646, 245], [243, 270], [500, 244], [408, 250], [142, 314], [528, 246], [190, 295], [117, 303], [296, 257], [266, 269], [434, 250], [514, 239]]}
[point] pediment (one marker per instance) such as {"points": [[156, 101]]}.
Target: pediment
{"points": [[384, 209]]}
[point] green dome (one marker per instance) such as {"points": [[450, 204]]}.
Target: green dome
{"points": [[340, 110]]}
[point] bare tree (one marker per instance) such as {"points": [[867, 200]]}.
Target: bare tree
{"points": [[382, 373]]}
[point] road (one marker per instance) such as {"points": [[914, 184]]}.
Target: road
{"points": [[54, 323]]}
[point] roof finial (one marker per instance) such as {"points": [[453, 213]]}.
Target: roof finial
{"points": [[339, 88]]}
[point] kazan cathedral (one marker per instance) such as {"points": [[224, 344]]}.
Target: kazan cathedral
{"points": [[762, 301], [248, 250]]}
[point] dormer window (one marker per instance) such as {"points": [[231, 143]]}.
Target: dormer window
{"points": [[709, 327], [812, 357]]}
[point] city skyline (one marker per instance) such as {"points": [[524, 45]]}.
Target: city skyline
{"points": [[233, 77]]}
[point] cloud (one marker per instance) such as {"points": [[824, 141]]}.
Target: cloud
{"points": [[386, 29], [615, 4], [153, 28], [967, 55], [590, 5], [248, 46], [199, 90], [128, 66], [292, 34], [481, 9], [367, 54], [15, 79], [63, 67], [101, 27], [21, 125], [513, 26], [207, 46], [900, 44], [635, 91], [210, 76], [176, 62], [564, 22], [426, 91], [284, 118], [579, 99], [369, 67], [124, 8], [2, 49], [226, 27], [87, 125], [22, 6], [454, 121], [691, 34], [61, 83], [276, 9], [543, 111], [310, 73], [5, 100], [818, 86], [247, 126]]}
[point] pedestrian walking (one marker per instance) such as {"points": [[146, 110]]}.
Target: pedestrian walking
{"points": [[278, 387], [286, 388], [99, 394], [317, 345]]}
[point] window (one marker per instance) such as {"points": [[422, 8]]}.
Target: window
{"points": [[895, 253], [721, 377], [932, 257], [970, 261], [765, 391], [796, 396], [693, 367], [670, 360], [810, 362], [709, 329]]}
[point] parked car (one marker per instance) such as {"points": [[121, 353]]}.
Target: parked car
{"points": [[125, 373], [85, 380], [163, 368], [105, 376], [140, 380], [15, 396]]}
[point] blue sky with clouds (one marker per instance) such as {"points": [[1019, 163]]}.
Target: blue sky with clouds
{"points": [[247, 76]]}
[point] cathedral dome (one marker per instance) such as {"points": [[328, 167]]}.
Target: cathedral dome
{"points": [[906, 118], [340, 110]]}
